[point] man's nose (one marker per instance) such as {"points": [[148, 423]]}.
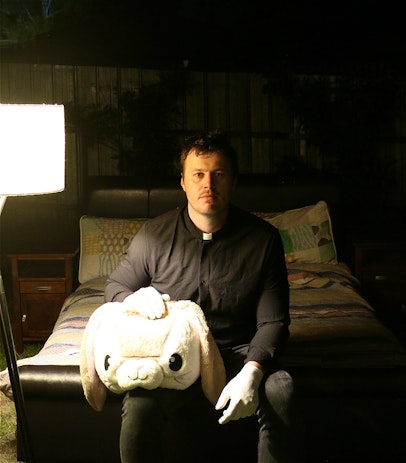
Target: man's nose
{"points": [[210, 179]]}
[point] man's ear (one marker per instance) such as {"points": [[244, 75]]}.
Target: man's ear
{"points": [[182, 183]]}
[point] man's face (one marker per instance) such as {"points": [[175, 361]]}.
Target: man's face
{"points": [[208, 182]]}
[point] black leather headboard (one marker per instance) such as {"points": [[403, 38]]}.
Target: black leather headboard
{"points": [[120, 197]]}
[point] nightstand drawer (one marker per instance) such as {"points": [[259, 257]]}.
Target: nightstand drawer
{"points": [[43, 286]]}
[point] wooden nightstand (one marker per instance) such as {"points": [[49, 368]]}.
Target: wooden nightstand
{"points": [[41, 283], [381, 269]]}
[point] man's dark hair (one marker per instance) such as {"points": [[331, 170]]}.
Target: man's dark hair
{"points": [[210, 142]]}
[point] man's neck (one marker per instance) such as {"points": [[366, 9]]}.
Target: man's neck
{"points": [[207, 223]]}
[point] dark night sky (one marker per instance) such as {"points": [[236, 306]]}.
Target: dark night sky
{"points": [[224, 34]]}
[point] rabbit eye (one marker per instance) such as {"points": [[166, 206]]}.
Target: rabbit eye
{"points": [[175, 362], [107, 362]]}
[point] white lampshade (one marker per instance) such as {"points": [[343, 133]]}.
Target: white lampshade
{"points": [[32, 149]]}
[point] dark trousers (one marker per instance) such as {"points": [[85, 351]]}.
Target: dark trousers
{"points": [[166, 425]]}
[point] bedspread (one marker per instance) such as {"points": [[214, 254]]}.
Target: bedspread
{"points": [[333, 326]]}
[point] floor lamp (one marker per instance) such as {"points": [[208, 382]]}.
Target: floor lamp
{"points": [[32, 162]]}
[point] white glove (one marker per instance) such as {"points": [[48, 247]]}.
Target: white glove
{"points": [[148, 302], [242, 392]]}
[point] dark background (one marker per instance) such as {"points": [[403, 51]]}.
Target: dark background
{"points": [[256, 35], [316, 37]]}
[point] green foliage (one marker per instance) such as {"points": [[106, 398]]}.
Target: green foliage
{"points": [[342, 113], [142, 130], [342, 117], [22, 21]]}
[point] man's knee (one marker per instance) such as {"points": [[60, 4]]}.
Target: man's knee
{"points": [[141, 409], [279, 385], [278, 396]]}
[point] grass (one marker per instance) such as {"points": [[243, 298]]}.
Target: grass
{"points": [[30, 349], [7, 410]]}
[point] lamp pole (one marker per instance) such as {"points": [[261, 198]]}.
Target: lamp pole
{"points": [[9, 349]]}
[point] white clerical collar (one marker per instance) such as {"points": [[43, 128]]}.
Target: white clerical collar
{"points": [[207, 236]]}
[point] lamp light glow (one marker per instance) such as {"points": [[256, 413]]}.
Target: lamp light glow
{"points": [[32, 149]]}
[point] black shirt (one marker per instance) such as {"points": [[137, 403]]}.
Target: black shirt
{"points": [[238, 277]]}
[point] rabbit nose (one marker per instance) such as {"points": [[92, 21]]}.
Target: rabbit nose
{"points": [[139, 372]]}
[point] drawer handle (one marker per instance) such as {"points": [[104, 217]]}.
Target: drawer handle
{"points": [[381, 278], [43, 288]]}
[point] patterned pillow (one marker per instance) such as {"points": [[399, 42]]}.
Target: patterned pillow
{"points": [[306, 233], [103, 242]]}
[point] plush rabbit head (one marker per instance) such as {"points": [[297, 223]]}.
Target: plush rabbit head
{"points": [[122, 350]]}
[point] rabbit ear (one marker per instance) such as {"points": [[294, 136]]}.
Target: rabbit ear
{"points": [[212, 371], [94, 389]]}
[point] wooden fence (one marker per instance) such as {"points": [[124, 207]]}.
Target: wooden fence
{"points": [[261, 125]]}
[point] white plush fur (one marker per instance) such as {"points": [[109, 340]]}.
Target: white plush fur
{"points": [[122, 350]]}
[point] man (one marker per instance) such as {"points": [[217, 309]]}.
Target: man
{"points": [[232, 264]]}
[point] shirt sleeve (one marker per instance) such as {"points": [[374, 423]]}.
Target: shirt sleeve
{"points": [[132, 273], [273, 308]]}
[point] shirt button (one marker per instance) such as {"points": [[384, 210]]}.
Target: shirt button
{"points": [[203, 283]]}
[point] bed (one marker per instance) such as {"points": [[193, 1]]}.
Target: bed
{"points": [[349, 369]]}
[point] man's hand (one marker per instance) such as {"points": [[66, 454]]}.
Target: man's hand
{"points": [[148, 302], [242, 392]]}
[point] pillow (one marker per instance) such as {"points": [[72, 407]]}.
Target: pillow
{"points": [[307, 234], [103, 242]]}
